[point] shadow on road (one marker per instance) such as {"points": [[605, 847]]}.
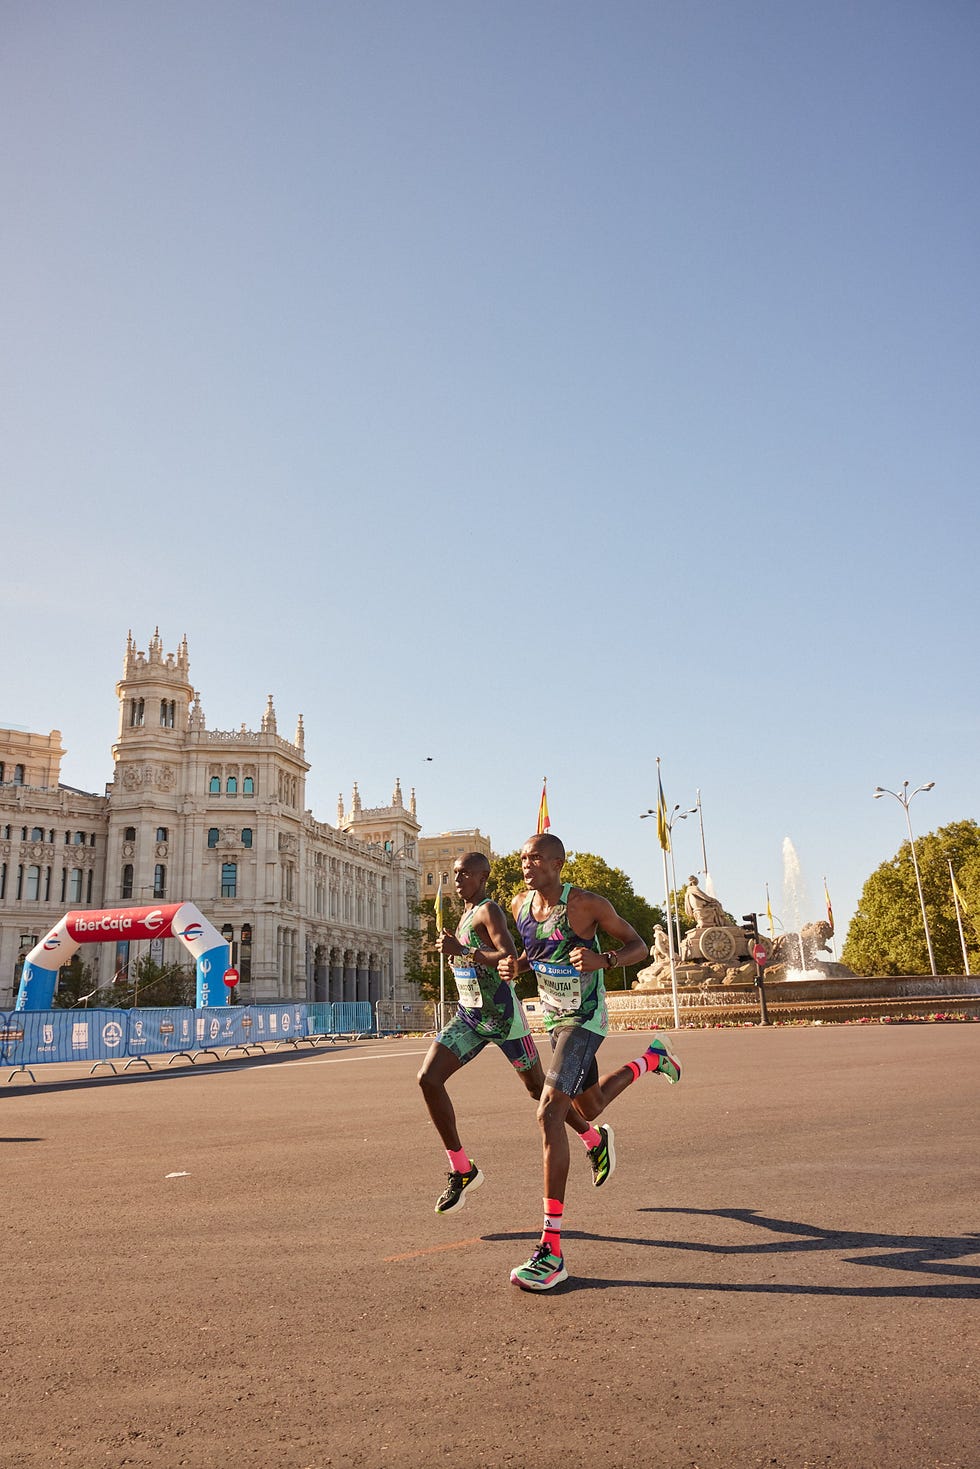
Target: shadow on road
{"points": [[916, 1254]]}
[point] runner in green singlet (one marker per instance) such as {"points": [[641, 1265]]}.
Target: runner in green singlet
{"points": [[488, 1013], [559, 925]]}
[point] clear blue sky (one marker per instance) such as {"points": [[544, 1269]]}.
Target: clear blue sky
{"points": [[540, 387]]}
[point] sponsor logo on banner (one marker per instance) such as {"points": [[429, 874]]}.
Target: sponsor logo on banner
{"points": [[79, 1034], [47, 1032], [153, 920], [191, 933], [11, 1033], [112, 1033], [166, 1027], [52, 941]]}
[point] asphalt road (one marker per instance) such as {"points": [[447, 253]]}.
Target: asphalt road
{"points": [[240, 1265]]}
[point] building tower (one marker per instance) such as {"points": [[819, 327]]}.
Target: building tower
{"points": [[155, 695]]}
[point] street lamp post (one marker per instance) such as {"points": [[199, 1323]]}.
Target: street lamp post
{"points": [[905, 800]]}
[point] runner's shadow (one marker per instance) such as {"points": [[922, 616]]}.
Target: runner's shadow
{"points": [[916, 1254]]}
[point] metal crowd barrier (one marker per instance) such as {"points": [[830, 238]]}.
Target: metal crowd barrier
{"points": [[119, 1039]]}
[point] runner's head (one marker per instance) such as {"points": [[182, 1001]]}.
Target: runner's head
{"points": [[470, 873], [542, 859]]}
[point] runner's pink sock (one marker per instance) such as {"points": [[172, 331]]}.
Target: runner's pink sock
{"points": [[649, 1061], [551, 1234], [592, 1138], [459, 1162]]}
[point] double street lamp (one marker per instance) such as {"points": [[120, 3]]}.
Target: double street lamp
{"points": [[904, 798]]}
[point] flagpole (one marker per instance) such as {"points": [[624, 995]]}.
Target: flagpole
{"points": [[704, 855], [663, 834], [830, 916], [959, 920], [670, 946]]}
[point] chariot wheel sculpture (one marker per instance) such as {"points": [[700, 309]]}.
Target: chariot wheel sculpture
{"points": [[717, 945]]}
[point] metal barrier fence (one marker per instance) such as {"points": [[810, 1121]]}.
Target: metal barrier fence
{"points": [[395, 1017], [104, 1037]]}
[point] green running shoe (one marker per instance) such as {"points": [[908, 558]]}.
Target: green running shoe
{"points": [[543, 1271], [454, 1196], [603, 1157], [668, 1062]]}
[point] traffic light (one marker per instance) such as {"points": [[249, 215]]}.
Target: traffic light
{"points": [[748, 925]]}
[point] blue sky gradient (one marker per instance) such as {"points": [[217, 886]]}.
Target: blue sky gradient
{"points": [[540, 388]]}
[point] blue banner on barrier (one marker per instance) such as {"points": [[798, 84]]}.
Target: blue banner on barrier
{"points": [[30, 1037], [160, 1031], [36, 1036]]}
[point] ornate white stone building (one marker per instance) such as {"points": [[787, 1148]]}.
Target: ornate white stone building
{"points": [[217, 818]]}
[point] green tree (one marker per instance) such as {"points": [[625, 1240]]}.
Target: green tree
{"points": [[886, 934], [150, 984], [74, 982], [421, 965], [584, 870]]}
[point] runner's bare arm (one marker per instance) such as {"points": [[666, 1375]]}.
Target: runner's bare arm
{"points": [[498, 944], [590, 911]]}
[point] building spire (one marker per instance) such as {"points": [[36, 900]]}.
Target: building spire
{"points": [[269, 718]]}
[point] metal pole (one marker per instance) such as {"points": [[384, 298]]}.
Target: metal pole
{"points": [[905, 801], [704, 855], [670, 951], [673, 879], [918, 883], [959, 920]]}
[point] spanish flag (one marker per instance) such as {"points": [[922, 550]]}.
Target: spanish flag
{"points": [[663, 830], [957, 894], [830, 911], [544, 820]]}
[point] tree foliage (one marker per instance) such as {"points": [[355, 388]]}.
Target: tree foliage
{"points": [[886, 934], [421, 963], [583, 870]]}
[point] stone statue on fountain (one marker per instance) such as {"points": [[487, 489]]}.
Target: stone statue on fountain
{"points": [[716, 951]]}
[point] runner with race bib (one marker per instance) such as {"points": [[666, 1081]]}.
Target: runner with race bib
{"points": [[559, 925]]}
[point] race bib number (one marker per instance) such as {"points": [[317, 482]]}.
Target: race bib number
{"points": [[559, 985], [468, 986]]}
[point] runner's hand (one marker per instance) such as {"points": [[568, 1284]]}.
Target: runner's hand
{"points": [[447, 943], [509, 967], [586, 961]]}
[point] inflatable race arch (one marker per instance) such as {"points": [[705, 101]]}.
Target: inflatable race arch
{"points": [[93, 926]]}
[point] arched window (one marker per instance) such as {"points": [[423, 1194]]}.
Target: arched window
{"points": [[159, 881], [135, 713], [248, 786], [167, 710], [163, 834], [18, 775], [33, 886], [246, 836], [231, 786], [78, 840], [212, 836], [75, 885], [129, 834], [37, 834], [214, 785], [127, 881], [229, 879]]}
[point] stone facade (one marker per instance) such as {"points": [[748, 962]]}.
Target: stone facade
{"points": [[217, 818]]}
